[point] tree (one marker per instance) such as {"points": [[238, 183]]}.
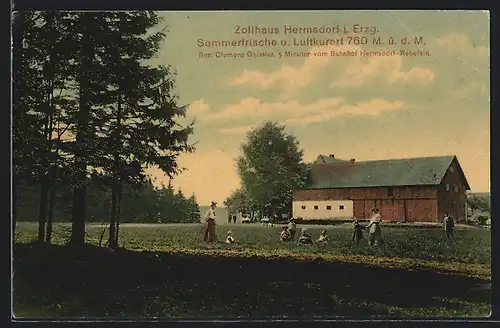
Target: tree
{"points": [[193, 213], [478, 203], [270, 168], [241, 202], [39, 76]]}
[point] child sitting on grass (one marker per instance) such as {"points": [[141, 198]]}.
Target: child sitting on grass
{"points": [[323, 237], [229, 238], [305, 238], [285, 234]]}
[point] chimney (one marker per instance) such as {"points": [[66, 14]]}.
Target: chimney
{"points": [[332, 155], [352, 160]]}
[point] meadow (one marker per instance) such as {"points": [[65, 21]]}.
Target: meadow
{"points": [[167, 271]]}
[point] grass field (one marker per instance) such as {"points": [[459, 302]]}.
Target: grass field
{"points": [[171, 273]]}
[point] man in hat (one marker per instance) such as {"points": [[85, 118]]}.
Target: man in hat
{"points": [[210, 223], [449, 225]]}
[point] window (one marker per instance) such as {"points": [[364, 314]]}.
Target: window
{"points": [[315, 207], [341, 207], [303, 207], [447, 187], [390, 191], [451, 169], [455, 188], [328, 208]]}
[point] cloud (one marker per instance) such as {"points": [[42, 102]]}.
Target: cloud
{"points": [[373, 107], [460, 44], [295, 113], [289, 77], [252, 107], [237, 129], [385, 68], [198, 108], [344, 71]]}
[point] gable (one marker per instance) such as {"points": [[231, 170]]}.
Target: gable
{"points": [[327, 159]]}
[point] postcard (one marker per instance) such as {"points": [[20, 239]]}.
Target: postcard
{"points": [[251, 165]]}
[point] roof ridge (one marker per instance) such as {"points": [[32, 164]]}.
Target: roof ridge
{"points": [[404, 158]]}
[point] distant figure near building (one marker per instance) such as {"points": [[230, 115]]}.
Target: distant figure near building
{"points": [[292, 228], [234, 218], [357, 232], [323, 237], [375, 232], [305, 238], [229, 238], [285, 234], [229, 218], [449, 226], [210, 224]]}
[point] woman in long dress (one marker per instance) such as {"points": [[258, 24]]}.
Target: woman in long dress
{"points": [[210, 224], [375, 232]]}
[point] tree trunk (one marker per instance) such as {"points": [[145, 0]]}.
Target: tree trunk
{"points": [[115, 204], [112, 218], [42, 206], [80, 189], [14, 206], [50, 218], [118, 212]]}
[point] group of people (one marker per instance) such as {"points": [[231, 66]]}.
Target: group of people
{"points": [[373, 227], [288, 235], [231, 218], [289, 231], [209, 227]]}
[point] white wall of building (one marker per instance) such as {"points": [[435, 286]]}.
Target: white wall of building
{"points": [[325, 209]]}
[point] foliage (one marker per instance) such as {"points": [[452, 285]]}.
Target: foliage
{"points": [[140, 204], [87, 102], [270, 168], [240, 202], [479, 203]]}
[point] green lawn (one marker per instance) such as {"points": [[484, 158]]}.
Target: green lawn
{"points": [[172, 274]]}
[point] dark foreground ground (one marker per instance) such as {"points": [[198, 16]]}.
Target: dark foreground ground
{"points": [[55, 281]]}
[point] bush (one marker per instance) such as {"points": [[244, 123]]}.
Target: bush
{"points": [[482, 219]]}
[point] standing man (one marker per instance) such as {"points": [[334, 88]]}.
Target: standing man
{"points": [[449, 226], [210, 223]]}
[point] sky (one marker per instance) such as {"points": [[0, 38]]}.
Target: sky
{"points": [[362, 107]]}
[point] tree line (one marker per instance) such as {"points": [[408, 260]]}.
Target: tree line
{"points": [[142, 204], [90, 115]]}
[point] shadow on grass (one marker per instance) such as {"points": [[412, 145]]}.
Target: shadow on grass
{"points": [[57, 281]]}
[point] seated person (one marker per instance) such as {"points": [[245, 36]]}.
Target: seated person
{"points": [[229, 238], [304, 237], [323, 237], [285, 234]]}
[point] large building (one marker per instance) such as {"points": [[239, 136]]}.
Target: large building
{"points": [[411, 189]]}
